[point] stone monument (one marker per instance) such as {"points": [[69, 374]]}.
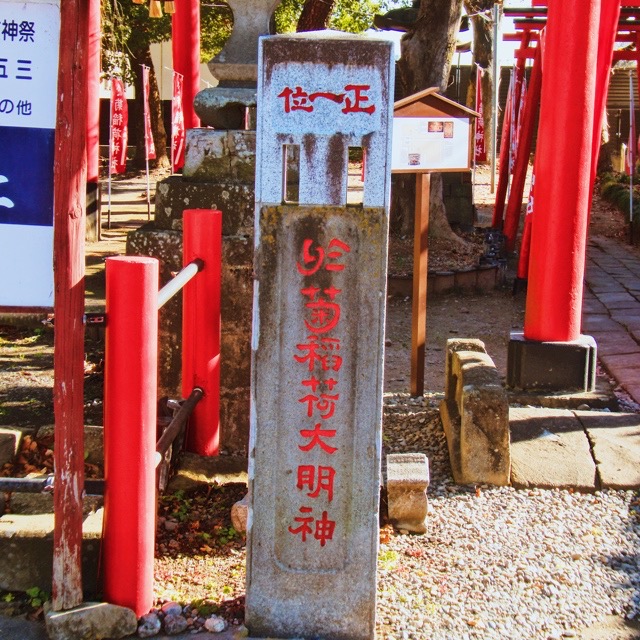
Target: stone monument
{"points": [[219, 173], [318, 336]]}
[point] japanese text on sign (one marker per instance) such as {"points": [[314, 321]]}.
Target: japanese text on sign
{"points": [[354, 97], [23, 31], [319, 363], [28, 63]]}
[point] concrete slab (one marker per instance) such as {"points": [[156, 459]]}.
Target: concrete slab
{"points": [[549, 448], [615, 438], [194, 471]]}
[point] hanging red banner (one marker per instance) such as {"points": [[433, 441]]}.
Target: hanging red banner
{"points": [[480, 149], [119, 127], [150, 148], [177, 123]]}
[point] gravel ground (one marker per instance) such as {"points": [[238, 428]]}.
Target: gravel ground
{"points": [[501, 563]]}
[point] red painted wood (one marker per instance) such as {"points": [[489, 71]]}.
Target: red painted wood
{"points": [[70, 170], [523, 152], [130, 399], [93, 92], [185, 30], [563, 172], [503, 175], [201, 328]]}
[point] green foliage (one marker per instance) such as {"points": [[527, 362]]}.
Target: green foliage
{"points": [[37, 597], [179, 505], [287, 14], [614, 188], [354, 17], [127, 29], [388, 559], [216, 23]]}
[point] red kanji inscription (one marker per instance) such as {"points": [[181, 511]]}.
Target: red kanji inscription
{"points": [[316, 434], [316, 479], [324, 404], [322, 351]]}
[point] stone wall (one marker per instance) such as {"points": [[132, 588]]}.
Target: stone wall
{"points": [[218, 174]]}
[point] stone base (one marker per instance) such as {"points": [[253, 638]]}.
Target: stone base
{"points": [[26, 551], [407, 483], [475, 416], [552, 366]]}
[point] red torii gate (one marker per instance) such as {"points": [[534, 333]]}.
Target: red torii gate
{"points": [[579, 38], [530, 23]]}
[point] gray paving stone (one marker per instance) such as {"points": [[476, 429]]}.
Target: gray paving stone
{"points": [[615, 438], [549, 448], [617, 300]]}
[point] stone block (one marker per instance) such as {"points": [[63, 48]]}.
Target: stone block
{"points": [[10, 440], [91, 621], [466, 279], [239, 514], [453, 346], [234, 420], [194, 471], [407, 483], [235, 200], [444, 281], [486, 277], [26, 551], [226, 107], [475, 415], [551, 366], [93, 441], [236, 310], [220, 156]]}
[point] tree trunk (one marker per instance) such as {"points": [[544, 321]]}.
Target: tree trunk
{"points": [[483, 56], [427, 51], [315, 14], [136, 122]]}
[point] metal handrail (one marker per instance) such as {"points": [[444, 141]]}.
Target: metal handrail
{"points": [[178, 281]]}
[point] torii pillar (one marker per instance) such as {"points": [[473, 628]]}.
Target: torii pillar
{"points": [[552, 354]]}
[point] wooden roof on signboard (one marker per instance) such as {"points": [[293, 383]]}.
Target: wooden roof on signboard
{"points": [[430, 104]]}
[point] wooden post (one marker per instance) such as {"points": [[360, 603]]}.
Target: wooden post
{"points": [[420, 264], [525, 140], [70, 172]]}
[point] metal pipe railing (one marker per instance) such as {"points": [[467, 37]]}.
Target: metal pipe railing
{"points": [[175, 426], [181, 278], [45, 484]]}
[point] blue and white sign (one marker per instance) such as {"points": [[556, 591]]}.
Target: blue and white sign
{"points": [[29, 40]]}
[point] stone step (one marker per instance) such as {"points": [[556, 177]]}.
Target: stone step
{"points": [[26, 551]]}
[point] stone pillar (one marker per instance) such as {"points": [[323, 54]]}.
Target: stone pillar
{"points": [[318, 335]]}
